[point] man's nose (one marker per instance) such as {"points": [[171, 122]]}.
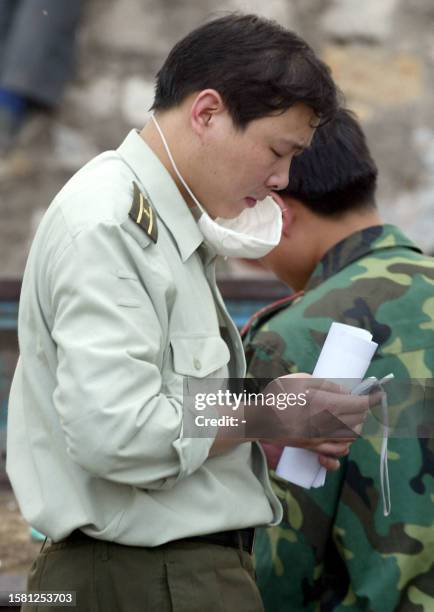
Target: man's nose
{"points": [[280, 177]]}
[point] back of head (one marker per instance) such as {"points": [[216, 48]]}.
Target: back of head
{"points": [[337, 173], [257, 66]]}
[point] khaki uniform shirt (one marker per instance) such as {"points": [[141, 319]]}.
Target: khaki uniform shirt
{"points": [[110, 325]]}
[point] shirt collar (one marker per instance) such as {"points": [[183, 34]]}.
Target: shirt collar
{"points": [[163, 193], [355, 246]]}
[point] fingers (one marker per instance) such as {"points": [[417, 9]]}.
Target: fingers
{"points": [[329, 463], [298, 375], [333, 449], [339, 404], [327, 410], [325, 425], [375, 398], [331, 413]]}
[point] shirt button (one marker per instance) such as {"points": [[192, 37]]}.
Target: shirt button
{"points": [[197, 364]]}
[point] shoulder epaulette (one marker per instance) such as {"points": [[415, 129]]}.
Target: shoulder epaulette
{"points": [[264, 313], [143, 213]]}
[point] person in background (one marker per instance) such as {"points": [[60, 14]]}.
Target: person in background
{"points": [[335, 550], [37, 40]]}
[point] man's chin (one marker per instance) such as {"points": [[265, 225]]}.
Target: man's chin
{"points": [[232, 211]]}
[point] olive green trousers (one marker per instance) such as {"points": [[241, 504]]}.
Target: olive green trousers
{"points": [[184, 576]]}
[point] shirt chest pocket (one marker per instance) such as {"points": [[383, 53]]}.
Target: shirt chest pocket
{"points": [[199, 355]]}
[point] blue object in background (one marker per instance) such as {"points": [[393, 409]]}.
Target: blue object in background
{"points": [[8, 316], [36, 535], [241, 311], [8, 358]]}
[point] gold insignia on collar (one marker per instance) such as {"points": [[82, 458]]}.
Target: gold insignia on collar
{"points": [[143, 214]]}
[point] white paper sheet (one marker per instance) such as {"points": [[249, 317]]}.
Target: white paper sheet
{"points": [[344, 358]]}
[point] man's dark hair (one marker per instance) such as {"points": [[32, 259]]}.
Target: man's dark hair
{"points": [[258, 67], [336, 173]]}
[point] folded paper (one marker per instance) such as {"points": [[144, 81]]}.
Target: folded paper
{"points": [[344, 359]]}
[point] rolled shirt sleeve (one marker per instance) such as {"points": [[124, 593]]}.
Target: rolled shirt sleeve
{"points": [[110, 339]]}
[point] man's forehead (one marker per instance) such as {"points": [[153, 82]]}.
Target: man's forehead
{"points": [[298, 123], [299, 141]]}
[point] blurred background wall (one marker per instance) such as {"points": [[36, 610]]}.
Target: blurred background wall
{"points": [[381, 53]]}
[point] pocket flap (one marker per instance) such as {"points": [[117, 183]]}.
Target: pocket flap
{"points": [[199, 355]]}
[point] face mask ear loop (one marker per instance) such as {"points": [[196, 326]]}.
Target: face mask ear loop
{"points": [[384, 470], [172, 161]]}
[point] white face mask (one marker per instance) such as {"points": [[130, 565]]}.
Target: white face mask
{"points": [[254, 233]]}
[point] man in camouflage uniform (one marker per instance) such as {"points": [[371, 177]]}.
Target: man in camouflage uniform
{"points": [[335, 550]]}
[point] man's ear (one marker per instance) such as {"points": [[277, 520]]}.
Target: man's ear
{"points": [[206, 106], [287, 211]]}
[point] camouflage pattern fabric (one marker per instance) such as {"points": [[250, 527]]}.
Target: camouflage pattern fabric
{"points": [[334, 549]]}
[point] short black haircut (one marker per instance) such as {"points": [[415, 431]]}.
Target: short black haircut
{"points": [[336, 173], [258, 67]]}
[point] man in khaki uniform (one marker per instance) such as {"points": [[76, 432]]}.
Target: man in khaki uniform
{"points": [[120, 306]]}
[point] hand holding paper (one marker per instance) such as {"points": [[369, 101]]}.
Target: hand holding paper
{"points": [[345, 358], [322, 409]]}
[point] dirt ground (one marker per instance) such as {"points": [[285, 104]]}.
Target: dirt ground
{"points": [[17, 550]]}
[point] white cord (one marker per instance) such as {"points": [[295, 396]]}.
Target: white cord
{"points": [[364, 387], [172, 161], [384, 469]]}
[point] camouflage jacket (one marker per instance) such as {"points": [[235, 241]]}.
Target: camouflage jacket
{"points": [[334, 549]]}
